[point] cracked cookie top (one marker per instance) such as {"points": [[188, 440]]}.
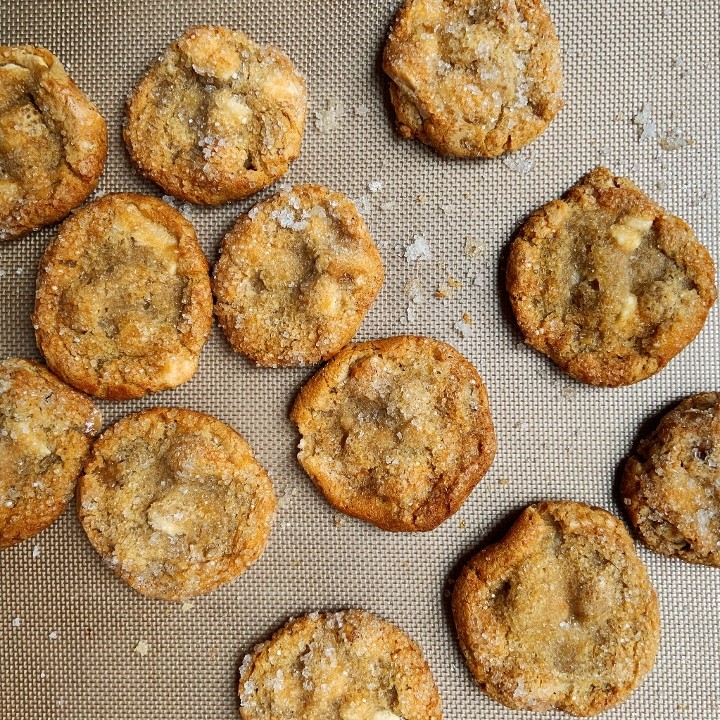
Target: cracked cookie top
{"points": [[217, 117], [396, 432], [473, 77], [348, 665], [607, 284], [53, 141], [123, 304], [46, 429], [175, 502], [671, 484], [296, 276], [560, 614]]}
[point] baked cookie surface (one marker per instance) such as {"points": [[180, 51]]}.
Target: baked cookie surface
{"points": [[396, 431], [473, 77], [671, 484], [607, 284], [217, 117], [123, 304], [53, 141], [348, 665], [175, 502], [296, 276], [560, 614], [46, 429]]}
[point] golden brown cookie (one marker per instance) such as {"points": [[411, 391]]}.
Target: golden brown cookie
{"points": [[175, 502], [296, 276], [396, 432], [560, 614], [347, 665], [671, 484], [607, 284], [46, 429], [473, 77], [217, 117], [123, 302], [53, 141]]}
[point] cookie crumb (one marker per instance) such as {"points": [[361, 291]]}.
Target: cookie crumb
{"points": [[421, 199], [474, 247], [53, 635], [504, 481], [36, 550], [645, 121], [375, 186], [187, 606], [16, 622], [463, 328], [142, 648]]}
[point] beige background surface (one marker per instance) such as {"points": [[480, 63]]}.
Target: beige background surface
{"points": [[556, 438]]}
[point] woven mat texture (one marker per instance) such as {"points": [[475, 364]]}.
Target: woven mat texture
{"points": [[72, 655]]}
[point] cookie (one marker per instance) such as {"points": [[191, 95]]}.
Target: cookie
{"points": [[671, 484], [396, 432], [46, 429], [175, 502], [473, 78], [53, 141], [217, 117], [123, 304], [607, 284], [296, 276], [560, 614], [347, 665]]}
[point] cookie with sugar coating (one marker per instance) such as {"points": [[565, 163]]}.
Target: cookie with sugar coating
{"points": [[46, 430], [473, 78], [348, 665], [53, 141], [671, 483], [560, 614], [396, 431], [217, 118], [608, 284], [296, 276], [123, 304], [175, 502]]}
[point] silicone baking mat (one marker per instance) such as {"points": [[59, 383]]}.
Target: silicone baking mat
{"points": [[72, 636]]}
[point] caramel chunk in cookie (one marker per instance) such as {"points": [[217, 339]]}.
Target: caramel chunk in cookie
{"points": [[473, 77], [560, 614], [175, 502], [347, 665], [123, 302], [671, 484], [53, 141], [46, 429], [217, 117], [607, 284], [296, 276], [396, 432]]}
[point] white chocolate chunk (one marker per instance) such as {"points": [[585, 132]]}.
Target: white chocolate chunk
{"points": [[628, 309], [625, 237]]}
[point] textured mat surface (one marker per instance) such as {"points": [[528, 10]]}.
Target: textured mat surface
{"points": [[68, 627]]}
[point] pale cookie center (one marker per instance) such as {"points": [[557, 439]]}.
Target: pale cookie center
{"points": [[365, 713]]}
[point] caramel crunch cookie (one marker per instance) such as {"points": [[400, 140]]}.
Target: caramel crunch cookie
{"points": [[46, 429], [217, 117], [175, 502], [396, 432], [473, 77], [123, 303], [671, 484], [607, 284], [347, 665], [53, 141], [560, 614], [296, 276]]}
